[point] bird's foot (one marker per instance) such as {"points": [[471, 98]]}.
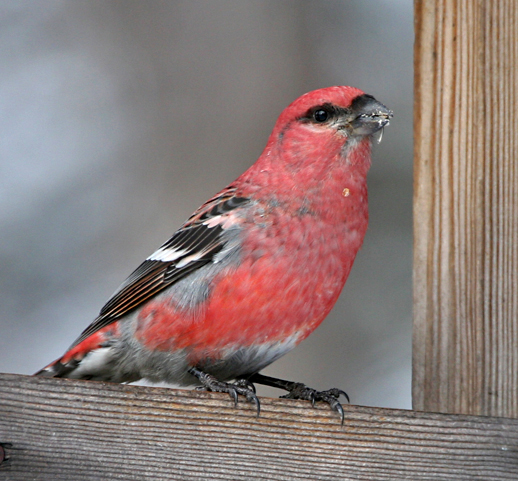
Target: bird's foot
{"points": [[242, 387], [330, 396], [297, 390]]}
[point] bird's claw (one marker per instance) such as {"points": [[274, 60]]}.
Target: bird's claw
{"points": [[331, 397], [242, 382], [242, 387]]}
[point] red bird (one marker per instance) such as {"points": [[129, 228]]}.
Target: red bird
{"points": [[254, 270]]}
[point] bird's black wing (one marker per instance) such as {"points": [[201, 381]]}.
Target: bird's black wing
{"points": [[194, 245]]}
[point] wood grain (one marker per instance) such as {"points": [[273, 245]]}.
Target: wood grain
{"points": [[83, 430], [466, 207]]}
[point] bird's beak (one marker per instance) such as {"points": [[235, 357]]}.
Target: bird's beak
{"points": [[367, 115]]}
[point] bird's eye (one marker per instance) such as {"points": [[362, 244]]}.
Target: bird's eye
{"points": [[321, 115]]}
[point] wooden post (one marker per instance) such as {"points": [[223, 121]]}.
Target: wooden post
{"points": [[466, 207]]}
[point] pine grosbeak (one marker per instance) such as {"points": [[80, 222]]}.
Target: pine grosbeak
{"points": [[254, 270]]}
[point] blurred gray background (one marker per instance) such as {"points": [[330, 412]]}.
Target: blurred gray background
{"points": [[119, 118]]}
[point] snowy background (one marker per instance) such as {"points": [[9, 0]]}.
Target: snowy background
{"points": [[119, 118]]}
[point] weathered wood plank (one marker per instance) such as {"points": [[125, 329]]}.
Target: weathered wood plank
{"points": [[465, 353], [79, 430]]}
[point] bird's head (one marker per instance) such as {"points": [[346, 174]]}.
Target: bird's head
{"points": [[346, 111], [321, 131]]}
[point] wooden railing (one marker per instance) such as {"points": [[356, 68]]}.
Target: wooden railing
{"points": [[64, 430]]}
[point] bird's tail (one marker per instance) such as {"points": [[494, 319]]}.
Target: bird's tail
{"points": [[55, 369]]}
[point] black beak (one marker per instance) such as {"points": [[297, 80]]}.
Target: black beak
{"points": [[368, 115]]}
